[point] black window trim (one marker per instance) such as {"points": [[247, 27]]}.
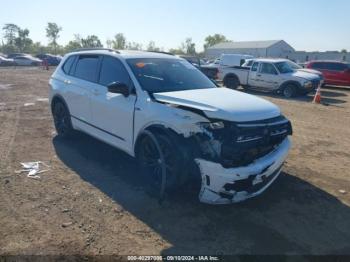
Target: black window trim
{"points": [[132, 87], [71, 66], [261, 66], [74, 67]]}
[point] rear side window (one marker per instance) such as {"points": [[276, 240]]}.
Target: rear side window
{"points": [[255, 67], [267, 68], [250, 63], [86, 67], [112, 70], [68, 64], [336, 66], [329, 66]]}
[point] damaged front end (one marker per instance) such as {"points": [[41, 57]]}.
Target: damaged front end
{"points": [[240, 160]]}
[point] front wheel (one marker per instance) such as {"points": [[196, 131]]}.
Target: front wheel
{"points": [[159, 161], [289, 91]]}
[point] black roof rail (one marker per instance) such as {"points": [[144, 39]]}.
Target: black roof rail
{"points": [[95, 49], [161, 52]]}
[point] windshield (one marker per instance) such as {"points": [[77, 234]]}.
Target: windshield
{"points": [[166, 75], [284, 67], [294, 65]]}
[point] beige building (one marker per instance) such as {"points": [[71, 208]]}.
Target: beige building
{"points": [[272, 48]]}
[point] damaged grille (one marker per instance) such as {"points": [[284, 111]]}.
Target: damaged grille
{"points": [[244, 142]]}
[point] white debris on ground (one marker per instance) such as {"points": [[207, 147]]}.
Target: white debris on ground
{"points": [[42, 99], [29, 104], [5, 86], [33, 169]]}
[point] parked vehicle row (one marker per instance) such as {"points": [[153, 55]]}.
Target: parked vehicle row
{"points": [[165, 112], [6, 61], [21, 59], [52, 60], [27, 60]]}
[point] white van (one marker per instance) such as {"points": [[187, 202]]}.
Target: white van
{"points": [[233, 59]]}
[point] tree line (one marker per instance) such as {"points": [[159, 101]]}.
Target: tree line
{"points": [[16, 39]]}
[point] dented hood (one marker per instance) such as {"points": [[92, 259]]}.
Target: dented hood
{"points": [[222, 103]]}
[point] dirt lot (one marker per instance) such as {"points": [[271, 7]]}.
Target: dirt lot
{"points": [[92, 200]]}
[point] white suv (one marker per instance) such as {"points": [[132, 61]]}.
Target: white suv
{"points": [[180, 126]]}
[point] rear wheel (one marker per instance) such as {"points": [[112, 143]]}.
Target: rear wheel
{"points": [[289, 91], [231, 82], [62, 120]]}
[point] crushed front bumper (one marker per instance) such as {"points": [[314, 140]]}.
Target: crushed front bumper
{"points": [[229, 185]]}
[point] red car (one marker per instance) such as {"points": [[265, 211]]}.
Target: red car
{"points": [[334, 73]]}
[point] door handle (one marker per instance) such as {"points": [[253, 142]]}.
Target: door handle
{"points": [[67, 82], [259, 75]]}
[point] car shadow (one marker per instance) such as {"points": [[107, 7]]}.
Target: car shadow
{"points": [[292, 217], [329, 96]]}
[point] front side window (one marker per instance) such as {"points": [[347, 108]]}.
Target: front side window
{"points": [[294, 65], [167, 75], [86, 67], [318, 66], [267, 68], [112, 70], [284, 67]]}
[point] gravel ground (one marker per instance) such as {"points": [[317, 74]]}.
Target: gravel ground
{"points": [[92, 201]]}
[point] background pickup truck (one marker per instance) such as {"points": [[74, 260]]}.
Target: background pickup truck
{"points": [[270, 75], [210, 71]]}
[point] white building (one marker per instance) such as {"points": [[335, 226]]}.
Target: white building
{"points": [[273, 48]]}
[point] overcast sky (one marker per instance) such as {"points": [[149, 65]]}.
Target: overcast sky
{"points": [[306, 25]]}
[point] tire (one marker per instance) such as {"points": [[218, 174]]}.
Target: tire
{"points": [[62, 120], [289, 91], [231, 82], [157, 153]]}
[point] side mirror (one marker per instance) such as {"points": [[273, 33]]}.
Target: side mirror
{"points": [[118, 88]]}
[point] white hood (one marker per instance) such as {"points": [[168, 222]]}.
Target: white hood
{"points": [[311, 71], [222, 103], [304, 75]]}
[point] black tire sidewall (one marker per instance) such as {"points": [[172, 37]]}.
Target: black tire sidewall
{"points": [[172, 182], [67, 132], [231, 82], [291, 90]]}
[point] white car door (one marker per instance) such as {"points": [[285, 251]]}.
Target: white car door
{"points": [[79, 84], [113, 113], [253, 79], [268, 75]]}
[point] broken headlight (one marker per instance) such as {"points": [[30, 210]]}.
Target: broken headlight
{"points": [[212, 125]]}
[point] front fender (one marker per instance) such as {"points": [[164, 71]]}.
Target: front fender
{"points": [[285, 83]]}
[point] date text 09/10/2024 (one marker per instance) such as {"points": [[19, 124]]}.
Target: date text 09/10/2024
{"points": [[173, 258]]}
